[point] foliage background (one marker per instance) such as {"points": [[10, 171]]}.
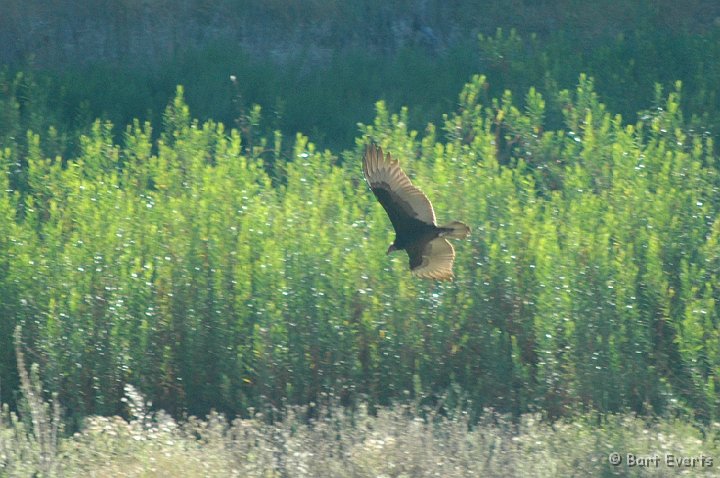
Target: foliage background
{"points": [[234, 264]]}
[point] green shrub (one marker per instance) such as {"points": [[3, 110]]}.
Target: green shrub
{"points": [[213, 272]]}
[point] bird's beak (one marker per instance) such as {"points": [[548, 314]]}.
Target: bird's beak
{"points": [[390, 249]]}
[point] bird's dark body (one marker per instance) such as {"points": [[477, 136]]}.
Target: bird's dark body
{"points": [[408, 230], [416, 232], [420, 235]]}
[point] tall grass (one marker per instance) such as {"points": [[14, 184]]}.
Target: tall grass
{"points": [[402, 441]]}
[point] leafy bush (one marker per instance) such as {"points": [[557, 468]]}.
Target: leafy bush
{"points": [[213, 272]]}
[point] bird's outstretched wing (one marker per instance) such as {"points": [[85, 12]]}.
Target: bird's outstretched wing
{"points": [[432, 260], [402, 201]]}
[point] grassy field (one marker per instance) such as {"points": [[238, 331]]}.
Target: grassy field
{"points": [[409, 441], [398, 442]]}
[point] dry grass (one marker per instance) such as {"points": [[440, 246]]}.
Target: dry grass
{"points": [[395, 443]]}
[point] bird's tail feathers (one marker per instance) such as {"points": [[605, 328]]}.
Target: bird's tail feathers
{"points": [[455, 230]]}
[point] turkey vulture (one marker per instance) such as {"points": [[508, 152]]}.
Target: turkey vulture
{"points": [[412, 216]]}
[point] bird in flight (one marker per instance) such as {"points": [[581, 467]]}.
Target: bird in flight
{"points": [[413, 218]]}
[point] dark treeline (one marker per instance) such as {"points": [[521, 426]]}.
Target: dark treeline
{"points": [[66, 34], [317, 66]]}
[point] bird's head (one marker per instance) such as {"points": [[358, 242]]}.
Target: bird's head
{"points": [[391, 248]]}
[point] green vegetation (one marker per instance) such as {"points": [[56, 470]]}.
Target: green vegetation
{"points": [[240, 270], [219, 274]]}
